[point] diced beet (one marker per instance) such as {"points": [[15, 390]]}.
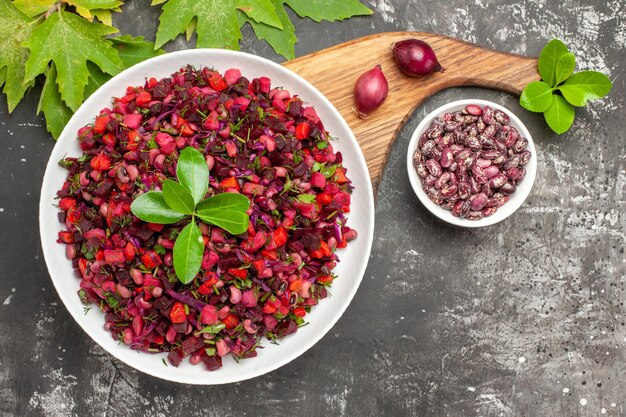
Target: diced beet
{"points": [[260, 142]]}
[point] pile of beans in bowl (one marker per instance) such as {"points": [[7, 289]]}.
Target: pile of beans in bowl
{"points": [[471, 161]]}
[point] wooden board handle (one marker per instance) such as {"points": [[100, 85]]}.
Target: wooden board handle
{"points": [[334, 71]]}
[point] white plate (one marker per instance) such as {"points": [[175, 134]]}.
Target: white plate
{"points": [[353, 259], [517, 198]]}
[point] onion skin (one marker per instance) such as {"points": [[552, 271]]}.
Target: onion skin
{"points": [[415, 58], [370, 91]]}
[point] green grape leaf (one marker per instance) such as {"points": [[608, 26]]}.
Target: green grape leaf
{"points": [[330, 10], [15, 28], [151, 207], [560, 115], [548, 61], [536, 97], [188, 252], [281, 40], [584, 86], [54, 109], [133, 50], [96, 4], [104, 16], [217, 24], [32, 8], [70, 41]]}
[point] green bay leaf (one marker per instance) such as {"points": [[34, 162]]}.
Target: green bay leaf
{"points": [[584, 86], [234, 222], [536, 97], [560, 115], [548, 61], [193, 172], [151, 207], [224, 202], [188, 252], [178, 197], [564, 67]]}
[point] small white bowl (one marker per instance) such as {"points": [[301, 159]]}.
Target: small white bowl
{"points": [[517, 198]]}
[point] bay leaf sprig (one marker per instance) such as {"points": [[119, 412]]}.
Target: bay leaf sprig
{"points": [[560, 89], [184, 199]]}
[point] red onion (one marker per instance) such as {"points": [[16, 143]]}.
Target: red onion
{"points": [[370, 91], [415, 57]]}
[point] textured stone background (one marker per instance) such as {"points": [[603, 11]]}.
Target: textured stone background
{"points": [[525, 318]]}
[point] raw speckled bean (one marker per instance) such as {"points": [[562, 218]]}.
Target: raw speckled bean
{"points": [[471, 161]]}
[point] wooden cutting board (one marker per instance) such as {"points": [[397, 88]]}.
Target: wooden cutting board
{"points": [[334, 71]]}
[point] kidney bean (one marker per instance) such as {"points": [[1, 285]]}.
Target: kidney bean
{"points": [[485, 188], [520, 145], [487, 115], [475, 215], [501, 116], [456, 149], [430, 180], [498, 181], [521, 176], [512, 162], [421, 170], [428, 146], [513, 173], [491, 171], [417, 158], [464, 190], [479, 174], [492, 154], [453, 166], [489, 131], [478, 201], [451, 126], [474, 143], [511, 138], [507, 188], [483, 163], [456, 209], [437, 131], [448, 191], [473, 109], [443, 180], [524, 157], [488, 211], [433, 167], [499, 160], [474, 185], [447, 158]]}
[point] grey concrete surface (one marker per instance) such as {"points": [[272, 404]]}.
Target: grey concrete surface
{"points": [[524, 318]]}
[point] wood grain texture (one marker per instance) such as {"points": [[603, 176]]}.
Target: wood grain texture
{"points": [[334, 71]]}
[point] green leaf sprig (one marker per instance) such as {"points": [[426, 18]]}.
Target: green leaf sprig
{"points": [[185, 198], [560, 90]]}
